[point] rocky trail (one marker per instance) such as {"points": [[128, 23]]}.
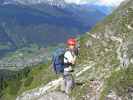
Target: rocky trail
{"points": [[45, 92]]}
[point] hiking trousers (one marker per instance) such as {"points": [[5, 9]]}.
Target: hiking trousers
{"points": [[67, 83]]}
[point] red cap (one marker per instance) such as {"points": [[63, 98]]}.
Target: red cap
{"points": [[71, 41]]}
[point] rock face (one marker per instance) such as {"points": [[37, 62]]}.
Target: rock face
{"points": [[105, 63]]}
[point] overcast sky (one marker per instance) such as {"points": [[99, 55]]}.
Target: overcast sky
{"points": [[99, 2]]}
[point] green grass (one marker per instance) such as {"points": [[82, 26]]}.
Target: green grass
{"points": [[3, 46], [119, 82], [39, 75], [80, 91]]}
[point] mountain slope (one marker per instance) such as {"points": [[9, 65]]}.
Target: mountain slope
{"points": [[109, 47], [41, 24], [104, 68]]}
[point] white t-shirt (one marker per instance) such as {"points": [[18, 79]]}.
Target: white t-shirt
{"points": [[68, 57]]}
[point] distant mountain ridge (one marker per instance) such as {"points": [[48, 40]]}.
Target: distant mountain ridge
{"points": [[59, 3], [44, 24]]}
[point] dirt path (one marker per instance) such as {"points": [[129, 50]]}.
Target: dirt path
{"points": [[39, 92]]}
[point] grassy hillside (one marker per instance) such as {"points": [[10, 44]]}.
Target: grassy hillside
{"points": [[109, 47], [25, 80]]}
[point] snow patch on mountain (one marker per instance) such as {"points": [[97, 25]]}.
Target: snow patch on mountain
{"points": [[60, 3]]}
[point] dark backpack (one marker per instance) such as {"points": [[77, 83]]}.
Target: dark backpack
{"points": [[58, 60]]}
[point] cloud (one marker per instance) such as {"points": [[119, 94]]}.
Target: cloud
{"points": [[72, 1], [109, 2], [98, 2]]}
